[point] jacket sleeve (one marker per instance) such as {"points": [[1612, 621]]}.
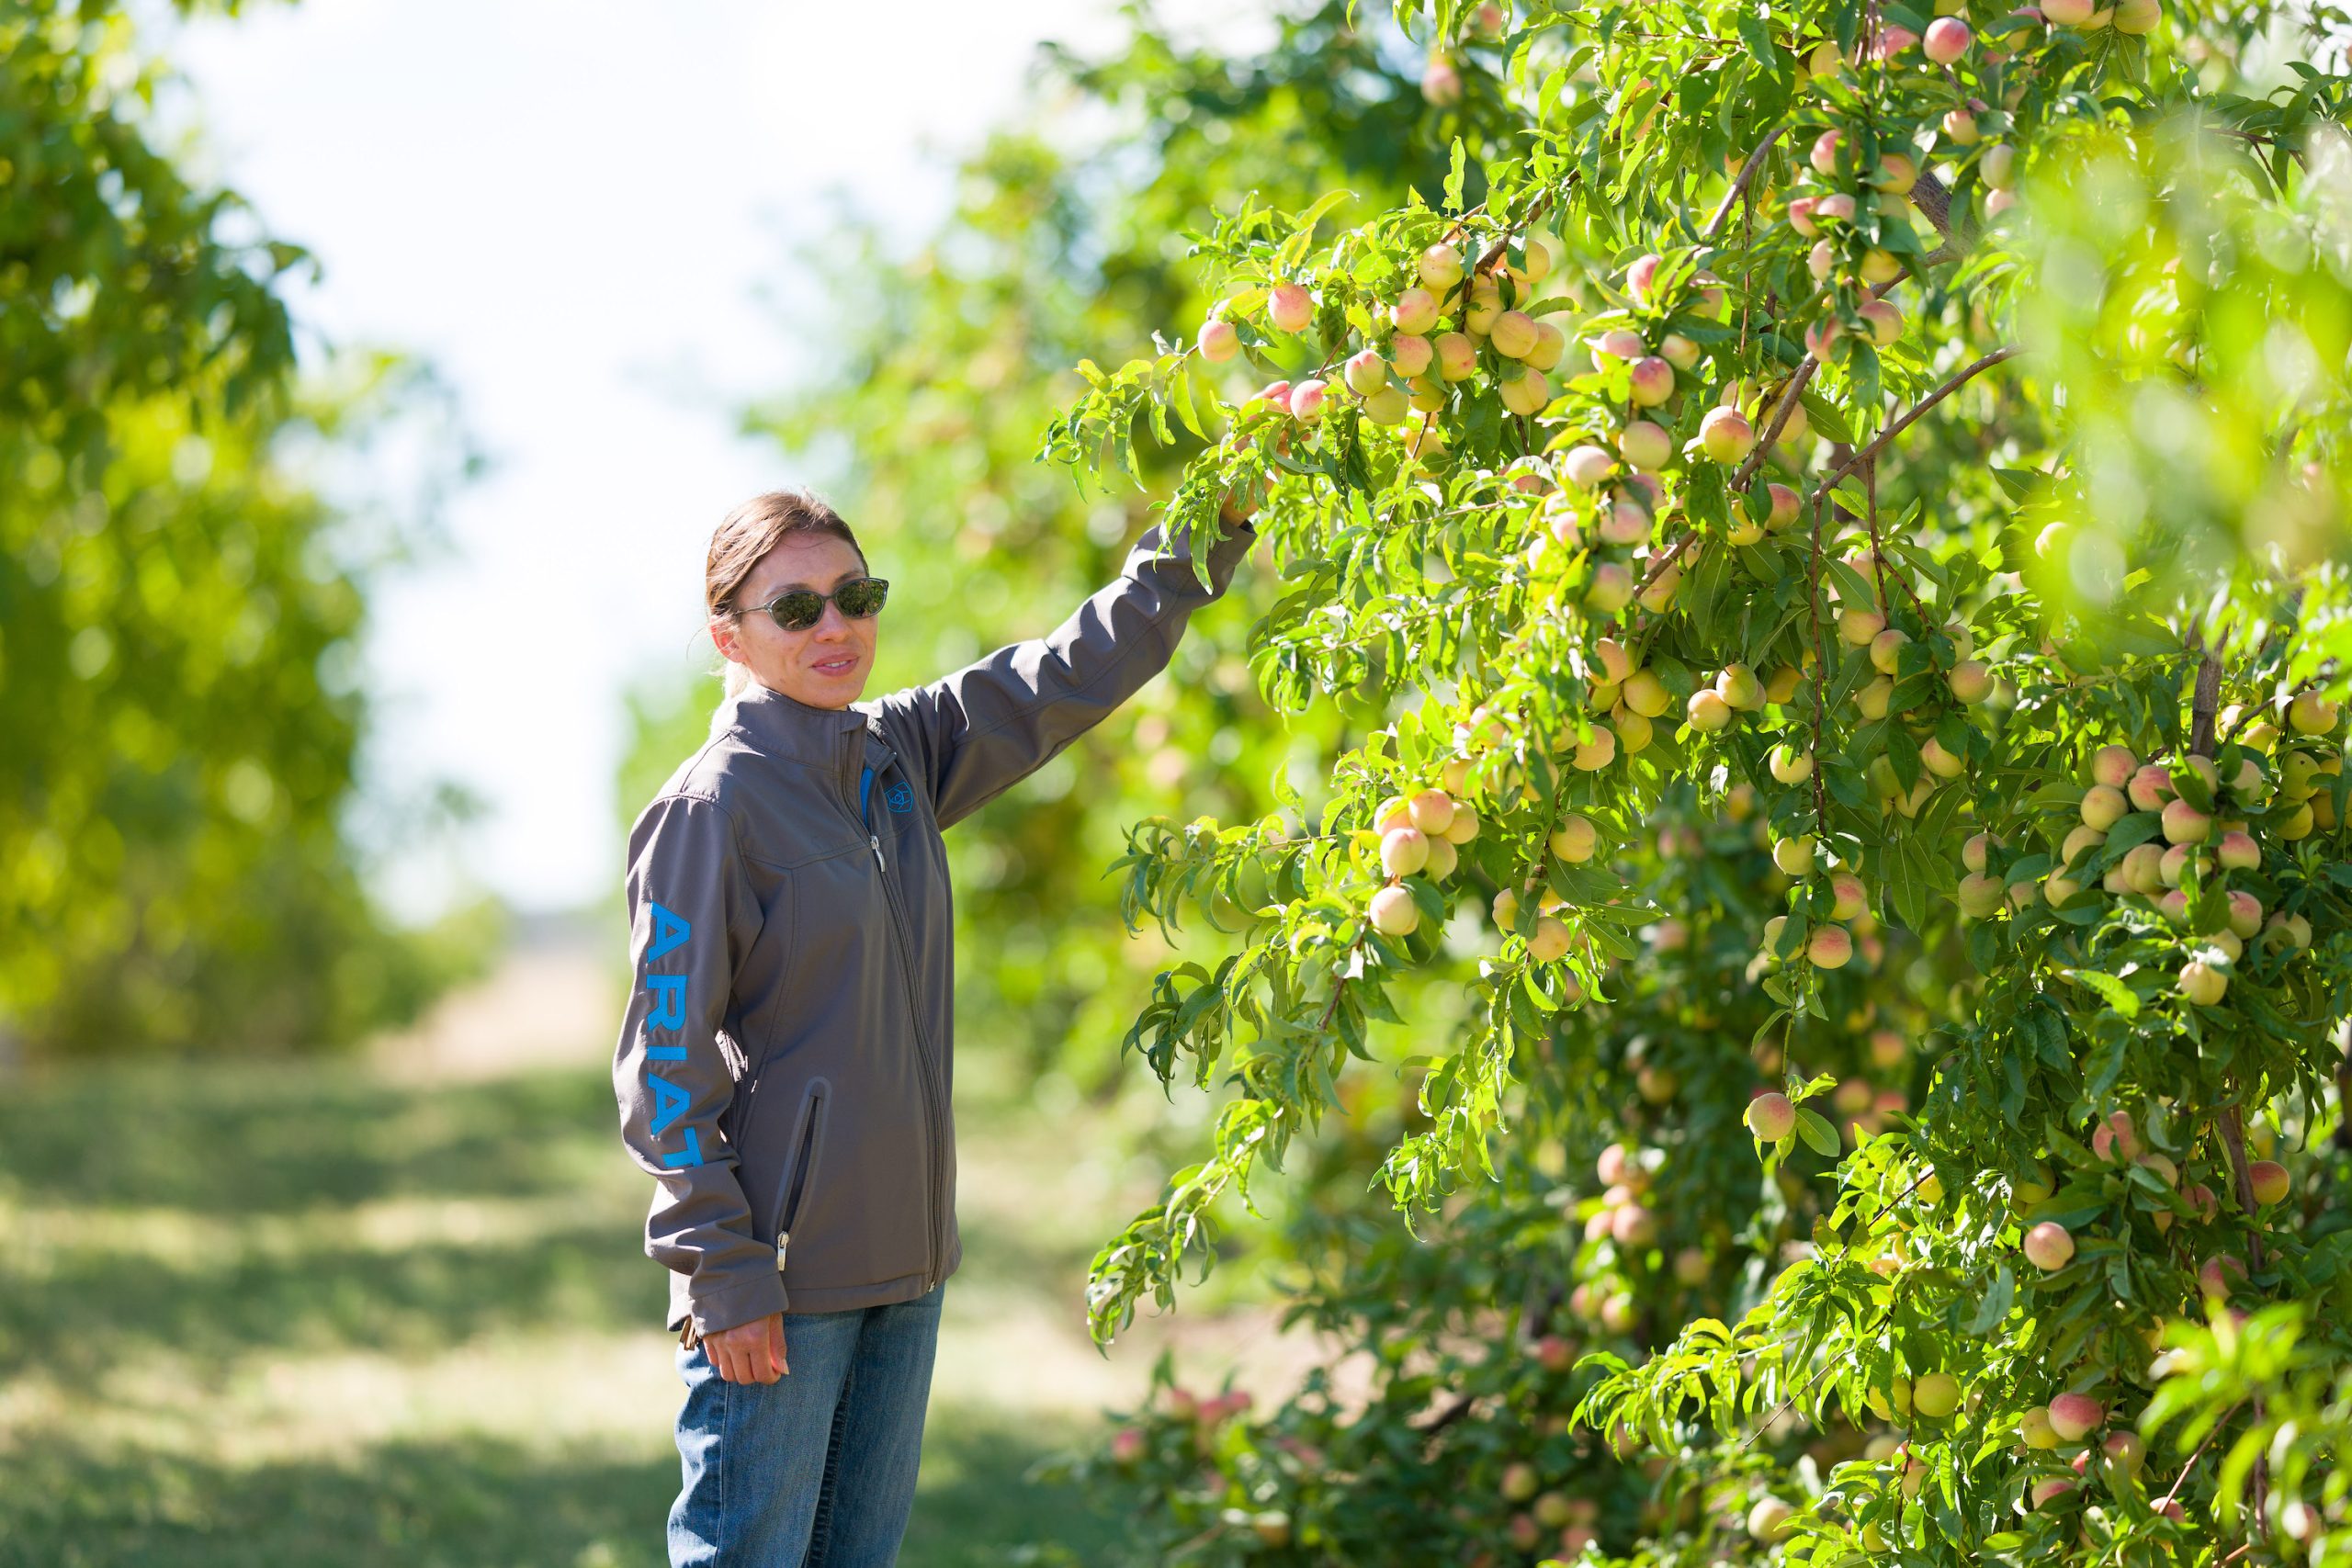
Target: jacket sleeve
{"points": [[986, 727], [692, 916]]}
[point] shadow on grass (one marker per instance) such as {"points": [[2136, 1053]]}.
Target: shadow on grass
{"points": [[253, 1147], [472, 1502], [254, 1139]]}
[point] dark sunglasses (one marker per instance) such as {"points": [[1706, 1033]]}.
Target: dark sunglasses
{"points": [[800, 608]]}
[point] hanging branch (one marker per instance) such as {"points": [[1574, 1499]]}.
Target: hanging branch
{"points": [[1958, 381]]}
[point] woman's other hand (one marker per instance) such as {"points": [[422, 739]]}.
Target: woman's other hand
{"points": [[748, 1352]]}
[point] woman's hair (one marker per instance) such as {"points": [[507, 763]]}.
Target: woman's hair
{"points": [[746, 535]]}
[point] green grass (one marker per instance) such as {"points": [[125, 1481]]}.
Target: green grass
{"points": [[303, 1314]]}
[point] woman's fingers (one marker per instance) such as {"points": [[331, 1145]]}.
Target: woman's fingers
{"points": [[775, 1343]]}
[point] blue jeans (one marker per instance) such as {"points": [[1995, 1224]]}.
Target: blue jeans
{"points": [[816, 1469]]}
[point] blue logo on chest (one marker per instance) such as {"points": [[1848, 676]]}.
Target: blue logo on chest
{"points": [[901, 796]]}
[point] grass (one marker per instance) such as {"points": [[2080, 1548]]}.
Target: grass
{"points": [[309, 1314]]}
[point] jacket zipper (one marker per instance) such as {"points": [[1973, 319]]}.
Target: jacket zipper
{"points": [[914, 1009], [797, 1182]]}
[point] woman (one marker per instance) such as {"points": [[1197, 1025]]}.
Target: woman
{"points": [[784, 1067]]}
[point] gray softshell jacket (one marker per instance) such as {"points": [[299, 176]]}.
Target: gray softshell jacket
{"points": [[785, 1066]]}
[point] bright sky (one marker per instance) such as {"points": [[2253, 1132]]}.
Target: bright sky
{"points": [[570, 207]]}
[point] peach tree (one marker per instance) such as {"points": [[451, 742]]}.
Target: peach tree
{"points": [[1848, 531]]}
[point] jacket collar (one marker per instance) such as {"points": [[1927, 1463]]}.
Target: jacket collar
{"points": [[789, 728]]}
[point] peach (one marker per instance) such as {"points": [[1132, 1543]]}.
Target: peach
{"points": [[1414, 312], [2074, 1415], [1945, 40], [1726, 435], [1645, 446], [1219, 341], [1652, 381], [1291, 307], [1394, 913]]}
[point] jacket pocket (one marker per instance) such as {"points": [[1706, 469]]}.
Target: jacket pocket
{"points": [[800, 1165]]}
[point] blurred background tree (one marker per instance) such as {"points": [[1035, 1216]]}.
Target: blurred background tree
{"points": [[179, 605]]}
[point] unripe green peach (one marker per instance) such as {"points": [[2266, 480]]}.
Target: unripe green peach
{"points": [[1788, 764], [1858, 626], [1874, 697], [1980, 897], [1575, 839], [1970, 681], [2033, 1426], [1940, 760], [2310, 714], [1795, 855], [1936, 1395], [1738, 686], [2103, 807], [1597, 753], [1550, 942], [2201, 983], [1976, 854]]}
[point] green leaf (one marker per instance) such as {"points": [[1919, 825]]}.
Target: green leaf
{"points": [[1818, 1135], [2118, 995]]}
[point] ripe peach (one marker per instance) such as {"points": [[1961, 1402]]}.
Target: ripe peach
{"points": [[2150, 787], [1645, 446], [2115, 1138], [1550, 344], [2049, 1246], [1440, 83], [1414, 312], [2047, 1492], [1960, 127], [1457, 357], [1829, 947], [1801, 210], [1597, 753], [1486, 306], [1852, 901], [1291, 306], [2074, 1415], [1619, 345], [2270, 1182], [1640, 273], [1366, 372], [1404, 851], [1652, 381], [2220, 1274], [1393, 912], [1514, 334], [2113, 766], [1526, 393], [1837, 207], [1726, 435], [1886, 647], [1885, 318], [1945, 40], [1441, 268], [1707, 709], [1825, 152], [1970, 681], [1771, 1117], [2245, 914], [1586, 466], [1219, 341]]}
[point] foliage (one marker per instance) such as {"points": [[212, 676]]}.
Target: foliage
{"points": [[178, 609], [2026, 678]]}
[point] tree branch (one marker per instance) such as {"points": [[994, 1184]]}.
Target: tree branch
{"points": [[1959, 379]]}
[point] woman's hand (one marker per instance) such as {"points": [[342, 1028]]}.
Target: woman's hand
{"points": [[748, 1352]]}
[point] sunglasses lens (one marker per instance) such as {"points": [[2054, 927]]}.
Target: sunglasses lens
{"points": [[797, 612], [863, 598]]}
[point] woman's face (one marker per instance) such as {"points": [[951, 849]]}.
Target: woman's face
{"points": [[824, 666]]}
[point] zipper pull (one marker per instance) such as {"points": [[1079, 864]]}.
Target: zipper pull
{"points": [[781, 1237], [876, 840]]}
